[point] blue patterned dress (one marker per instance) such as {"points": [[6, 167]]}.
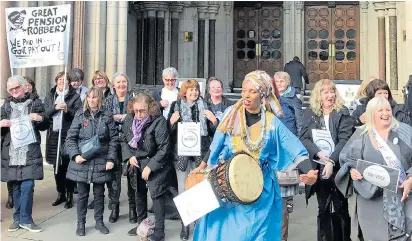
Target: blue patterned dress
{"points": [[261, 220]]}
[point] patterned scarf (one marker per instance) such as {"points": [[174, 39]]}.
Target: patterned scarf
{"points": [[18, 155], [231, 123], [137, 128], [116, 106], [57, 118], [186, 114]]}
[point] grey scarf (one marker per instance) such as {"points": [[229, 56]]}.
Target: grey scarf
{"points": [[18, 155], [186, 114]]}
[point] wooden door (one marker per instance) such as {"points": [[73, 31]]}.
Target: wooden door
{"points": [[332, 42], [258, 35]]}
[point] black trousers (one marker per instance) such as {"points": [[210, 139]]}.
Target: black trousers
{"points": [[140, 201], [115, 187], [83, 197], [10, 188], [63, 185], [333, 213]]}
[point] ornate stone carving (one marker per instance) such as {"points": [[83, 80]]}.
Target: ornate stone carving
{"points": [[213, 9], [299, 6], [228, 6]]}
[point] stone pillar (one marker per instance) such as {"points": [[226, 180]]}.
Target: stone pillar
{"points": [[122, 37], [5, 71], [139, 48], [228, 80], [287, 51], [380, 9], [150, 46], [175, 9], [299, 44], [79, 34], [213, 11], [393, 45], [160, 41], [364, 69], [201, 25], [92, 12], [111, 38]]}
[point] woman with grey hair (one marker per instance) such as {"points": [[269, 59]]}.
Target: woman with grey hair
{"points": [[22, 162], [214, 97], [169, 92], [116, 106], [378, 214]]}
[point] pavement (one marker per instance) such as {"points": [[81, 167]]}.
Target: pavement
{"points": [[59, 223]]}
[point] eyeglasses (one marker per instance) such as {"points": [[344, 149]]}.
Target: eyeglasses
{"points": [[170, 80], [99, 78], [142, 111], [14, 89]]}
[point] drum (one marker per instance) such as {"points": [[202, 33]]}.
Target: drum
{"points": [[238, 180]]}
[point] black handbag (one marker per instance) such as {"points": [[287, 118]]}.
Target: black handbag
{"points": [[90, 147]]}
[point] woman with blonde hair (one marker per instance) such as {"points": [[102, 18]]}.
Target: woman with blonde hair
{"points": [[327, 116], [379, 214], [101, 80]]}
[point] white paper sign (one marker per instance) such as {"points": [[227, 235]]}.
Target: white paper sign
{"points": [[38, 36], [21, 131], [196, 202], [188, 139], [323, 140]]}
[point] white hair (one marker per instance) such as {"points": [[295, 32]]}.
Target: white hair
{"points": [[121, 74], [171, 71], [17, 79]]}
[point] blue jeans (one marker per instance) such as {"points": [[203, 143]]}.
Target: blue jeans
{"points": [[23, 201]]}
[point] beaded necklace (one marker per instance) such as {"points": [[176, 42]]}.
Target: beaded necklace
{"points": [[254, 145]]}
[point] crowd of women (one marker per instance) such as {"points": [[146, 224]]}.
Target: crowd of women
{"points": [[108, 131]]}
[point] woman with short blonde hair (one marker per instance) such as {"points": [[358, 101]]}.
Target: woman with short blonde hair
{"points": [[101, 80], [379, 214], [329, 116]]}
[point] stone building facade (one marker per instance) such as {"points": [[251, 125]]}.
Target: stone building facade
{"points": [[336, 40]]}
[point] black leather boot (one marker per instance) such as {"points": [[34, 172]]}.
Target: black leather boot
{"points": [[69, 201], [132, 215], [184, 233], [10, 203], [81, 229], [102, 228], [115, 213], [61, 198], [157, 235]]}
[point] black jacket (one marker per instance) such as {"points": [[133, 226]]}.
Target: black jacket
{"points": [[33, 170], [83, 125], [398, 112], [74, 103], [205, 140], [296, 70], [153, 151], [340, 126]]}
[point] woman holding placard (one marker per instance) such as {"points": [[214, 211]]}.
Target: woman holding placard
{"points": [[91, 144], [145, 147], [380, 214], [251, 126], [190, 108], [61, 105], [326, 128], [22, 117]]}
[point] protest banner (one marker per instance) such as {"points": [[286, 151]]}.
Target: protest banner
{"points": [[38, 36]]}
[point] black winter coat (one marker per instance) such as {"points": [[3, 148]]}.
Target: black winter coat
{"points": [[33, 170], [397, 111], [74, 103], [153, 151], [94, 170], [296, 70], [205, 140]]}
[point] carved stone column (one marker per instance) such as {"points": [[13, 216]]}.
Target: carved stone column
{"points": [[213, 11], [160, 41], [122, 36], [175, 9], [5, 71], [228, 80], [79, 34], [364, 39], [111, 38], [287, 35], [149, 61], [139, 44], [393, 45], [299, 44], [380, 9], [201, 25]]}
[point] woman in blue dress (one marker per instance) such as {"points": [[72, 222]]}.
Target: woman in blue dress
{"points": [[248, 126]]}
